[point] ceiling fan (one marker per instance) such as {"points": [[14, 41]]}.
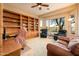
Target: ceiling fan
{"points": [[40, 5]]}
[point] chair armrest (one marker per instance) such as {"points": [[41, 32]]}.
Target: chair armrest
{"points": [[53, 50]]}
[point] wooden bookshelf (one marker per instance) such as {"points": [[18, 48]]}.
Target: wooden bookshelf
{"points": [[25, 21], [36, 24], [31, 24], [12, 22]]}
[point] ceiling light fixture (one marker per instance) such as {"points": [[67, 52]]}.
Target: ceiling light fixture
{"points": [[40, 5]]}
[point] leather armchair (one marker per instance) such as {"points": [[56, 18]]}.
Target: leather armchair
{"points": [[43, 33]]}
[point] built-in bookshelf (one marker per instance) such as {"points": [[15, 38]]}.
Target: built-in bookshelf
{"points": [[36, 24], [12, 22], [25, 21], [31, 24]]}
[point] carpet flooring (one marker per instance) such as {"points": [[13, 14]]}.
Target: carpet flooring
{"points": [[36, 47]]}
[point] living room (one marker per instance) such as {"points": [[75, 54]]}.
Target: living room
{"points": [[39, 29]]}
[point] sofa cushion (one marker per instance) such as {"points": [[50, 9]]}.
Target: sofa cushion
{"points": [[73, 42]]}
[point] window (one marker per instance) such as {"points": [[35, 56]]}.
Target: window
{"points": [[41, 24], [72, 24], [62, 22], [47, 23], [52, 24]]}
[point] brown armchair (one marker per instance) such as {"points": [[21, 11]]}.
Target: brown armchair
{"points": [[53, 50]]}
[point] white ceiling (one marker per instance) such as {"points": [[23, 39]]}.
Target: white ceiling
{"points": [[26, 7]]}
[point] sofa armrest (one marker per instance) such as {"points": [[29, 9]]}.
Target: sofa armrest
{"points": [[75, 49], [53, 50]]}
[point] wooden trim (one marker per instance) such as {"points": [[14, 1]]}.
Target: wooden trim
{"points": [[1, 27]]}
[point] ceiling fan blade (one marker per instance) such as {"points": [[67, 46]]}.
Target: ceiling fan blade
{"points": [[38, 3], [34, 6], [45, 5]]}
